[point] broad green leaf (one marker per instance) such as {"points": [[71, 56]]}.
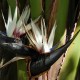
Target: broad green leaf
{"points": [[69, 68], [36, 8], [71, 17], [22, 70], [78, 71], [61, 19], [47, 9]]}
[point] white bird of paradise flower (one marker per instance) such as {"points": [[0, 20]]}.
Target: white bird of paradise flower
{"points": [[13, 27], [39, 39], [36, 35]]}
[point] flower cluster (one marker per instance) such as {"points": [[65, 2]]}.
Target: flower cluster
{"points": [[36, 35]]}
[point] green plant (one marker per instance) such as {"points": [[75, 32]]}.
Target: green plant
{"points": [[54, 11]]}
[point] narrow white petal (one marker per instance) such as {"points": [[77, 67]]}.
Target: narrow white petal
{"points": [[45, 47], [33, 41], [4, 19], [30, 41], [9, 19], [1, 62], [42, 29], [31, 38], [37, 19], [12, 26], [24, 16], [20, 26], [27, 16], [45, 30], [37, 34], [51, 37], [28, 26], [21, 30]]}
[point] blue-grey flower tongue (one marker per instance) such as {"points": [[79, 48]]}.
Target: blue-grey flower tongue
{"points": [[44, 61], [4, 38], [18, 49], [15, 46]]}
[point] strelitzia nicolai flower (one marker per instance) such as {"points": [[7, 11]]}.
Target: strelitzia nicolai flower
{"points": [[38, 40], [13, 27], [38, 37]]}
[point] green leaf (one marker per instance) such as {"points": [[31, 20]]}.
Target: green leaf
{"points": [[78, 71], [36, 8], [61, 19], [22, 70], [69, 68], [47, 9], [71, 16]]}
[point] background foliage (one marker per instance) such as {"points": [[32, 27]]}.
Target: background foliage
{"points": [[66, 13]]}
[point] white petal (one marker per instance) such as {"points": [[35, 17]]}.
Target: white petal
{"points": [[37, 34], [42, 29], [45, 30], [12, 26], [37, 19], [27, 16], [21, 30], [9, 19], [4, 20], [24, 16], [51, 37], [28, 26], [1, 62], [45, 45], [31, 38]]}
